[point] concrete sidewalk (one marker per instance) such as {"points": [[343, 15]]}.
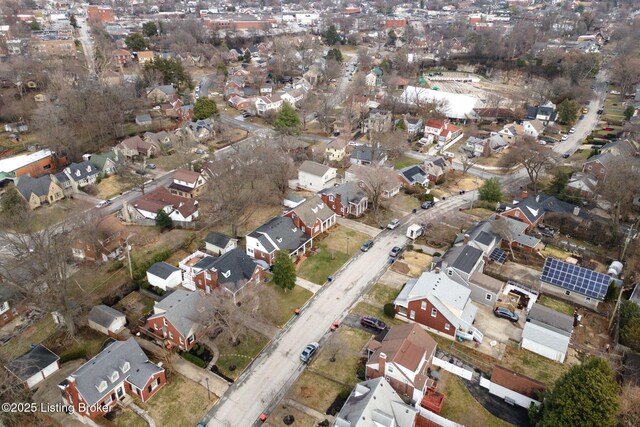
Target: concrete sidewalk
{"points": [[358, 226], [310, 286]]}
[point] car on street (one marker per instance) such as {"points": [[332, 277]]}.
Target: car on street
{"points": [[564, 137], [581, 117], [393, 224], [600, 111], [373, 323], [141, 172], [427, 205], [103, 203], [395, 251], [366, 245], [572, 130], [505, 313], [309, 351], [150, 166], [566, 155], [615, 92], [608, 129]]}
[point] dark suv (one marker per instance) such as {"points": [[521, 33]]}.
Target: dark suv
{"points": [[373, 323]]}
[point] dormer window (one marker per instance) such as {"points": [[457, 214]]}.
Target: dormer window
{"points": [[226, 274], [78, 172], [125, 367], [114, 376], [279, 239], [88, 168], [102, 386]]}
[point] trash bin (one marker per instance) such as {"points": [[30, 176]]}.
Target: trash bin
{"points": [[329, 278], [414, 210]]}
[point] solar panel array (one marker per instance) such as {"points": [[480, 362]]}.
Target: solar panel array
{"points": [[573, 278], [498, 255]]}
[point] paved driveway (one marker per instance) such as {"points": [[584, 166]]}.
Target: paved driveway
{"points": [[496, 328]]}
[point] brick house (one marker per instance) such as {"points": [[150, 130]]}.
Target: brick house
{"points": [[439, 304], [442, 130], [279, 233], [98, 385], [172, 321], [531, 210], [598, 164], [403, 357], [312, 216], [347, 199], [136, 146], [8, 310], [121, 56]]}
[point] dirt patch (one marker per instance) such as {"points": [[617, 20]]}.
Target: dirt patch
{"points": [[134, 306], [592, 332], [401, 267]]}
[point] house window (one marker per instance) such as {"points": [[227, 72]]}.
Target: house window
{"points": [[434, 312], [567, 293], [587, 299], [170, 335], [423, 305], [207, 275], [331, 198], [164, 320], [114, 376], [412, 315], [517, 213], [155, 326], [450, 272], [5, 317], [389, 368], [447, 326], [250, 251], [488, 297]]}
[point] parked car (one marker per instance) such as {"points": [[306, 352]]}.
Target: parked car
{"points": [[141, 172], [581, 117], [366, 245], [427, 205], [572, 130], [373, 323], [103, 203], [505, 313], [309, 351], [151, 166], [566, 155], [199, 151], [608, 129], [564, 137], [395, 251], [393, 224]]}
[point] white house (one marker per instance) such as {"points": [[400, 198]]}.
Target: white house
{"points": [[264, 104], [533, 128], [514, 388], [34, 366], [219, 244], [547, 333], [314, 176], [106, 320], [82, 174], [164, 276], [147, 207]]}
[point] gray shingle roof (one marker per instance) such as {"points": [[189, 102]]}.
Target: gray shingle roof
{"points": [[414, 175], [280, 233], [313, 168], [82, 170], [181, 309], [366, 153], [38, 186], [32, 362], [549, 318], [235, 268], [313, 209], [217, 239], [104, 315], [162, 270], [467, 258], [108, 361], [349, 191]]}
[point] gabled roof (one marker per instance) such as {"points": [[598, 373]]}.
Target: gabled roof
{"points": [[135, 143], [82, 170], [104, 315], [99, 160], [311, 210], [235, 268], [186, 175], [161, 198], [162, 270], [38, 186], [218, 239], [367, 153], [280, 233], [406, 345], [535, 206], [113, 359], [414, 175], [464, 258], [518, 383], [32, 362], [180, 308], [349, 192], [314, 168], [551, 319]]}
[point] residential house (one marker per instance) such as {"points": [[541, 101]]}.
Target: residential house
{"points": [[312, 216], [442, 130], [162, 94], [573, 283], [105, 243], [265, 104], [175, 319], [374, 77], [145, 56], [144, 120], [360, 174], [162, 139], [241, 103], [437, 167], [201, 129], [164, 276], [233, 271], [121, 56], [379, 121], [314, 176], [398, 83], [414, 125], [439, 304], [514, 388], [147, 206], [545, 113], [136, 146], [512, 133], [531, 210], [279, 233], [107, 163], [218, 243], [414, 175], [547, 333], [485, 147], [347, 199], [106, 320], [403, 357], [367, 155], [583, 183], [374, 403], [606, 159], [533, 128], [34, 366], [188, 183], [38, 191], [82, 174], [64, 182], [293, 96], [121, 368], [8, 304], [336, 150]]}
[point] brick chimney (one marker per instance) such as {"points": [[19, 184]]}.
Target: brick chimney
{"points": [[466, 238], [382, 362], [524, 194]]}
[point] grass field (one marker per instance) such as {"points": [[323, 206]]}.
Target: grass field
{"points": [[338, 359], [532, 365], [322, 264], [128, 418], [34, 334], [557, 305], [315, 391], [241, 355], [382, 294], [404, 161], [282, 304], [344, 239], [366, 309]]}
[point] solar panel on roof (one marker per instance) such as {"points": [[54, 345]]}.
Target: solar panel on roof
{"points": [[498, 255], [574, 278]]}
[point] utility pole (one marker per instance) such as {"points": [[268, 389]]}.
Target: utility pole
{"points": [[129, 256]]}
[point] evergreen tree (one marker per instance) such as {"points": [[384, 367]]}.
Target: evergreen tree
{"points": [[335, 53], [246, 58], [11, 203], [391, 38], [204, 108], [400, 125], [628, 112], [163, 221], [150, 29], [568, 111], [135, 42], [491, 191], [331, 37], [284, 272], [35, 26], [287, 120], [73, 22], [171, 70]]}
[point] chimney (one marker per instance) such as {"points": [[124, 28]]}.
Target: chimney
{"points": [[382, 362], [576, 210], [524, 194], [466, 238]]}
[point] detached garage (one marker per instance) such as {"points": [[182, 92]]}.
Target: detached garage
{"points": [[547, 333], [34, 366], [164, 276]]}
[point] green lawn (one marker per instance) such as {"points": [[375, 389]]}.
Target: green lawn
{"points": [[282, 304], [315, 391], [404, 161], [366, 309], [460, 406], [479, 212], [34, 334], [128, 418], [383, 294], [556, 305], [339, 358], [324, 263], [241, 355]]}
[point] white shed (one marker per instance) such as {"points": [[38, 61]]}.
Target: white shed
{"points": [[547, 333], [219, 244], [35, 365], [514, 388], [106, 320], [315, 177], [164, 276], [414, 231]]}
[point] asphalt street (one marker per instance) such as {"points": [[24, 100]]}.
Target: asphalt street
{"points": [[277, 367]]}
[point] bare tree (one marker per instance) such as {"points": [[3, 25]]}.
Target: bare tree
{"points": [[625, 71], [467, 163], [618, 188], [376, 182], [534, 157], [629, 406], [501, 226]]}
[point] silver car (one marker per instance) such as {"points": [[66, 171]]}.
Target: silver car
{"points": [[309, 351]]}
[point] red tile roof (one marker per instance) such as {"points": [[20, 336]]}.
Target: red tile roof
{"points": [[516, 382], [161, 197]]}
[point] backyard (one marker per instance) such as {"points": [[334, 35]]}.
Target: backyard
{"points": [[555, 304], [33, 334], [134, 306]]}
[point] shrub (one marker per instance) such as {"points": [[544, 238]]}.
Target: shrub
{"points": [[194, 359], [158, 291], [426, 197], [440, 181], [73, 354], [435, 254], [420, 250], [409, 247], [115, 265], [344, 393], [389, 310]]}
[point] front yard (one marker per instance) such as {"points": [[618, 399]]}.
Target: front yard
{"points": [[234, 359], [65, 209], [112, 186], [315, 391], [412, 263], [281, 305]]}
